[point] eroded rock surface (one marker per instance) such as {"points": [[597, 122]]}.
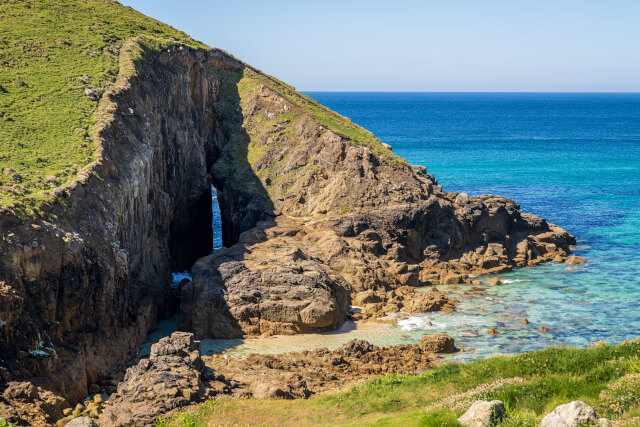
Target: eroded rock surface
{"points": [[23, 403], [302, 374], [172, 377]]}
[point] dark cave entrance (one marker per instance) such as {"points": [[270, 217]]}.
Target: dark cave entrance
{"points": [[203, 237]]}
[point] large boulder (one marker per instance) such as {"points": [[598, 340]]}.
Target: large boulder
{"points": [[571, 414], [438, 343], [425, 302], [483, 414], [172, 377]]}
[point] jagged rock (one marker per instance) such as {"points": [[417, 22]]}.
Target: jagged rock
{"points": [[571, 414], [81, 422], [483, 414], [320, 370], [366, 297], [425, 302], [172, 377], [438, 343], [494, 282], [23, 403]]}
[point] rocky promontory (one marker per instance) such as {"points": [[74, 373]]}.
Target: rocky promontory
{"points": [[317, 215]]}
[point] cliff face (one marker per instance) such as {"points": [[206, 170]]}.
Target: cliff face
{"points": [[315, 210], [80, 289], [353, 218]]}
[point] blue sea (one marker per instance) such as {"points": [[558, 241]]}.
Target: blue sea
{"points": [[571, 158]]}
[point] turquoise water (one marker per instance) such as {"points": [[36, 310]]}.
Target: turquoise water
{"points": [[571, 158]]}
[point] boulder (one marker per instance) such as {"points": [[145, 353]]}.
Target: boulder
{"points": [[171, 378], [575, 260], [493, 331], [524, 321], [438, 343], [483, 414], [425, 302], [453, 279], [366, 297], [571, 414], [82, 422], [494, 282], [462, 199]]}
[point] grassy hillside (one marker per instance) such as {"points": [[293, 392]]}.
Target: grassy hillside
{"points": [[606, 377], [56, 59], [51, 51]]}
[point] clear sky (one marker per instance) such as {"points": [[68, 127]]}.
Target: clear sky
{"points": [[406, 45]]}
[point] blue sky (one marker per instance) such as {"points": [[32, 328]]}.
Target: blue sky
{"points": [[445, 45]]}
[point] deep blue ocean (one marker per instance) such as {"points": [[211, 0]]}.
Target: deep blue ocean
{"points": [[571, 158]]}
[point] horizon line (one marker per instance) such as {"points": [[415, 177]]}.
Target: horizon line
{"points": [[475, 91]]}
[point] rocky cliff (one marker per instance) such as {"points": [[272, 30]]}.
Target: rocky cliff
{"points": [[315, 210]]}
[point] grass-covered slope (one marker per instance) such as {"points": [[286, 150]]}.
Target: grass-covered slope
{"points": [[531, 385], [56, 58]]}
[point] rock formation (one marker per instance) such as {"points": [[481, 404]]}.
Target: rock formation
{"points": [[572, 414], [172, 377], [483, 414], [315, 210], [302, 374]]}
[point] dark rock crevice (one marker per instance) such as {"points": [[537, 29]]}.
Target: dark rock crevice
{"points": [[80, 289]]}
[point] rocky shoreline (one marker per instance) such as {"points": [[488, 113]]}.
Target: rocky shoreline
{"points": [[317, 215]]}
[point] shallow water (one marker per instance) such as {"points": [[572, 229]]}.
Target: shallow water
{"points": [[571, 158]]}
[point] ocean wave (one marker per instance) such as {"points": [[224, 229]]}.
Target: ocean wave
{"points": [[414, 323], [507, 281]]}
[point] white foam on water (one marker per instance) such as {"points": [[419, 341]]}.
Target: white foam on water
{"points": [[413, 323], [507, 281]]}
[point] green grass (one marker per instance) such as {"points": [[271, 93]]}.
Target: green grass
{"points": [[50, 51], [551, 377]]}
